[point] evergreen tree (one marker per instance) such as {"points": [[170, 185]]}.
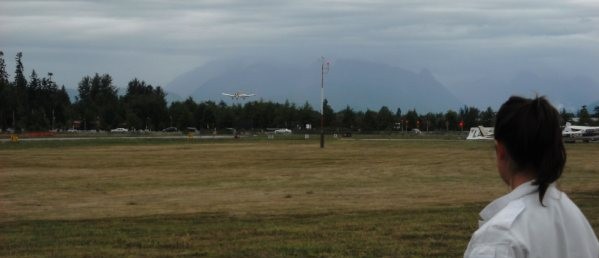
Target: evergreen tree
{"points": [[20, 81], [3, 74], [412, 120], [5, 93], [566, 116], [487, 117], [285, 115], [385, 119], [451, 120], [98, 104], [429, 121], [108, 104], [181, 114], [145, 106], [438, 122], [36, 118], [20, 105], [61, 108], [83, 103], [250, 115], [584, 118], [204, 115], [226, 117], [398, 115], [329, 114], [470, 116], [307, 115], [348, 118], [369, 120]]}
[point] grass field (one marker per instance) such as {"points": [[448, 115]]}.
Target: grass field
{"points": [[256, 198]]}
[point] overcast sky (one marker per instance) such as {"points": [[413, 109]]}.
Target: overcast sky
{"points": [[156, 40]]}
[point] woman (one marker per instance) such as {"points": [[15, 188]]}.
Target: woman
{"points": [[535, 219]]}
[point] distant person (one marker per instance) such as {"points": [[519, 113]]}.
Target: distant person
{"points": [[535, 219]]}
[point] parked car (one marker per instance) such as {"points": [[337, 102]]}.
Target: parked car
{"points": [[283, 131], [191, 130], [170, 129], [119, 130]]}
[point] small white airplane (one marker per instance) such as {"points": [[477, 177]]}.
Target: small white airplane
{"points": [[584, 133], [239, 95], [283, 131], [481, 133]]}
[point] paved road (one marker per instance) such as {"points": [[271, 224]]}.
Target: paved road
{"points": [[206, 137]]}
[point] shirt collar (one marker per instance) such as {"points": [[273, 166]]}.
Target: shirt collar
{"points": [[494, 207]]}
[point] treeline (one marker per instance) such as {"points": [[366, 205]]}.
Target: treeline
{"points": [[38, 104]]}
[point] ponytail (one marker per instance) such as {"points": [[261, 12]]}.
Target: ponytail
{"points": [[530, 130]]}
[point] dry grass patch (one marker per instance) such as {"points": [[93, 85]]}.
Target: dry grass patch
{"points": [[258, 178], [258, 198]]}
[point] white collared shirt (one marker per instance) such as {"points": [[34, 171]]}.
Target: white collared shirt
{"points": [[517, 225]]}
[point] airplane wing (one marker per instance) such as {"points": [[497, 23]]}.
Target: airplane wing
{"points": [[227, 94], [583, 129]]}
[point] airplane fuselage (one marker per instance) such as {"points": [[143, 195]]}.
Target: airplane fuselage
{"points": [[238, 95]]}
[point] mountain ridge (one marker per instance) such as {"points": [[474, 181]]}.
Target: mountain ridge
{"points": [[360, 84], [563, 91]]}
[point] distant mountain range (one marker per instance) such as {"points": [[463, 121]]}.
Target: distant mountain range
{"points": [[593, 105], [569, 92], [359, 84], [368, 85]]}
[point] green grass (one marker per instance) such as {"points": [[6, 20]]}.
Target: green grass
{"points": [[430, 232], [256, 198], [439, 232]]}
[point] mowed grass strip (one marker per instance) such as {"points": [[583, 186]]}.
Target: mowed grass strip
{"points": [[275, 177], [410, 233], [258, 199], [427, 232]]}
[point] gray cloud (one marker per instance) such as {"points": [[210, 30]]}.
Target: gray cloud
{"points": [[158, 39]]}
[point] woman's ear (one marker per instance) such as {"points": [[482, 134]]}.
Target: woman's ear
{"points": [[502, 162], [500, 151]]}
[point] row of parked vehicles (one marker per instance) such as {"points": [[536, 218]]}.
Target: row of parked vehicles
{"points": [[172, 129], [168, 129], [193, 130]]}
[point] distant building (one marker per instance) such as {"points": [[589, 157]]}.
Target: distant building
{"points": [[76, 124], [575, 120]]}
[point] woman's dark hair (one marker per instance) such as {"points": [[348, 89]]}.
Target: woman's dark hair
{"points": [[531, 133]]}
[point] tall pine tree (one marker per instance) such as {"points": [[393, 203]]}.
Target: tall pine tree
{"points": [[4, 95], [21, 104]]}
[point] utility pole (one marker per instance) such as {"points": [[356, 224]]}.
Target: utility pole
{"points": [[53, 117], [324, 68]]}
